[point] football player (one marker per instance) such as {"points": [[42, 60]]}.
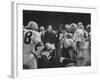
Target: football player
{"points": [[82, 46], [30, 38]]}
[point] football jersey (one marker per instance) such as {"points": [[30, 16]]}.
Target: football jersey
{"points": [[30, 38], [78, 35]]}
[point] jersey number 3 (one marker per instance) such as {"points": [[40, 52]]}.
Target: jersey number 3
{"points": [[27, 38]]}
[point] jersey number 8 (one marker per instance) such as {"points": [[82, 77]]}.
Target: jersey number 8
{"points": [[27, 38]]}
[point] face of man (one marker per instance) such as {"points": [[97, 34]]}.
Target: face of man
{"points": [[41, 28], [67, 27], [49, 28]]}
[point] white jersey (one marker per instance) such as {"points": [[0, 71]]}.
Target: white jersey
{"points": [[36, 37], [79, 36], [67, 42], [30, 38]]}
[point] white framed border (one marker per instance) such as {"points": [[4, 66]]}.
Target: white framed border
{"points": [[17, 43]]}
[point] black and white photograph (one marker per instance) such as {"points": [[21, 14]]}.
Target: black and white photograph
{"points": [[53, 39]]}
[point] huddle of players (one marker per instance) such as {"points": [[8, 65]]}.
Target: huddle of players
{"points": [[40, 41]]}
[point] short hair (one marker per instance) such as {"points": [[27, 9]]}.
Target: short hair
{"points": [[80, 23], [49, 27], [62, 26]]}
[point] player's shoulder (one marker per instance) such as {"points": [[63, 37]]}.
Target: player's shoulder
{"points": [[28, 30], [36, 32], [79, 31]]}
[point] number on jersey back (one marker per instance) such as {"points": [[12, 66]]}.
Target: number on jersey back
{"points": [[27, 40], [31, 38]]}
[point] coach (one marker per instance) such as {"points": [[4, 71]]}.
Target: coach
{"points": [[50, 36]]}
